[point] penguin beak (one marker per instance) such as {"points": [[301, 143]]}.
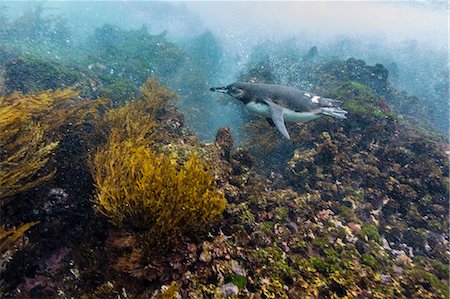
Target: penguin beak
{"points": [[219, 89]]}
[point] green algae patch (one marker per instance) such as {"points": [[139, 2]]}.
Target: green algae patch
{"points": [[239, 281], [371, 232], [30, 74], [423, 282], [370, 261]]}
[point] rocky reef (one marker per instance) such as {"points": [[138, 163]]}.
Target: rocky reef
{"points": [[121, 200]]}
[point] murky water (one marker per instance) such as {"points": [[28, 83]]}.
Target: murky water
{"points": [[123, 175]]}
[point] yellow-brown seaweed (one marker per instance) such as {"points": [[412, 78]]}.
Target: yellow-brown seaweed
{"points": [[11, 235], [29, 134], [141, 190], [136, 120]]}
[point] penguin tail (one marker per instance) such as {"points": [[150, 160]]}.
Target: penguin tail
{"points": [[335, 112]]}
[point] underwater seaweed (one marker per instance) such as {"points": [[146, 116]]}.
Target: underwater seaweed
{"points": [[136, 120], [368, 175], [20, 170], [11, 235], [29, 134], [347, 209], [11, 240], [132, 55], [138, 189], [37, 33]]}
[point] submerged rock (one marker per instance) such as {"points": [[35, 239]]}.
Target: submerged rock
{"points": [[229, 290]]}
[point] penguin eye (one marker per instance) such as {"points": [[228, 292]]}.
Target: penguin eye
{"points": [[235, 90]]}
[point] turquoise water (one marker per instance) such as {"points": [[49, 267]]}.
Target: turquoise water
{"points": [[122, 175]]}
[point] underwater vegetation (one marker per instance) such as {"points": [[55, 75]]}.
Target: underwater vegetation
{"points": [[124, 59], [138, 189], [149, 192], [137, 120], [143, 209], [9, 239], [30, 128], [36, 34]]}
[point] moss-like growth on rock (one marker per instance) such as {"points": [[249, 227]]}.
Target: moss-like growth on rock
{"points": [[371, 232], [30, 74]]}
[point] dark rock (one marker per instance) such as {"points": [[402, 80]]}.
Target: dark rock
{"points": [[225, 141], [293, 228], [362, 247], [241, 161]]}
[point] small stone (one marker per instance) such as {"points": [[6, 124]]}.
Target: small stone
{"points": [[362, 247], [292, 227], [340, 242], [228, 290], [192, 247], [386, 278], [285, 247], [397, 269], [403, 259], [354, 227], [324, 214], [311, 235], [205, 256], [237, 269]]}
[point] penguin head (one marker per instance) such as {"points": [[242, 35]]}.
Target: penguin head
{"points": [[233, 90]]}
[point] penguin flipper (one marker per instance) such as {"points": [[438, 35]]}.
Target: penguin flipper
{"points": [[270, 121], [276, 112]]}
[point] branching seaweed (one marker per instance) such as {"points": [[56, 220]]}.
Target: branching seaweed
{"points": [[29, 134], [144, 191], [136, 120], [141, 190], [11, 235], [9, 242]]}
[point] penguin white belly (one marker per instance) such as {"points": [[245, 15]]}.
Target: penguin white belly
{"points": [[258, 109], [288, 115], [292, 116]]}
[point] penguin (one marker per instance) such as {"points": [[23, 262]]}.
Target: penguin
{"points": [[280, 104]]}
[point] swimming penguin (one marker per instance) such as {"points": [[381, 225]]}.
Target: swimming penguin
{"points": [[279, 103]]}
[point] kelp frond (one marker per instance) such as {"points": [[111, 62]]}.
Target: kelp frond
{"points": [[11, 240], [157, 94], [19, 109], [18, 170]]}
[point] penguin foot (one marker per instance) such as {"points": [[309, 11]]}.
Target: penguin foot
{"points": [[334, 112]]}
